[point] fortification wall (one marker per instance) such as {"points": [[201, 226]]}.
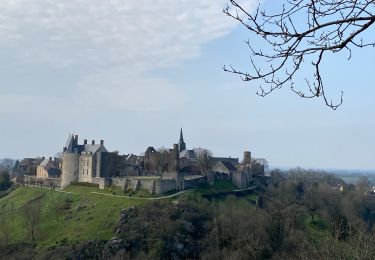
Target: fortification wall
{"points": [[165, 185], [241, 179], [69, 169], [96, 180], [131, 184], [147, 185], [46, 182], [194, 182], [119, 182]]}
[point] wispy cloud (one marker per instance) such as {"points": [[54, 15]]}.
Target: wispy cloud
{"points": [[142, 34], [113, 45]]}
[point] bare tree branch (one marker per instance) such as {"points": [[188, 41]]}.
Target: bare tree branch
{"points": [[331, 26]]}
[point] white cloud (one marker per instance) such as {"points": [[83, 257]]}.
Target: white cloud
{"points": [[114, 44], [142, 34]]}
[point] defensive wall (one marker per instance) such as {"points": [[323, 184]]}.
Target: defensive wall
{"points": [[45, 182], [153, 185], [193, 181], [241, 179]]}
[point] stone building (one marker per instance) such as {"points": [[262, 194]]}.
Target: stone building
{"points": [[81, 163], [166, 169], [48, 168]]}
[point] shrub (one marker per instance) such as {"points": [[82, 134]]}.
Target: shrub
{"points": [[86, 184]]}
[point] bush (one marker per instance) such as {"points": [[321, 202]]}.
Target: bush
{"points": [[68, 199], [5, 182], [86, 184]]}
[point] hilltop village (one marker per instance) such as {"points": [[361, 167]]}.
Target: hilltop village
{"points": [[157, 171]]}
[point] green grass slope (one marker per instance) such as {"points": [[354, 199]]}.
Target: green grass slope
{"points": [[81, 214]]}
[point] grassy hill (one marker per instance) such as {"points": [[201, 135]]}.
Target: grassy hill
{"points": [[75, 214], [71, 218], [81, 214]]}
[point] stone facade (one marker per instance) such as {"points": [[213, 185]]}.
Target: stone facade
{"points": [[81, 163], [48, 168]]}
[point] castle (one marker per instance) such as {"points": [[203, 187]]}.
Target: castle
{"points": [[157, 171]]}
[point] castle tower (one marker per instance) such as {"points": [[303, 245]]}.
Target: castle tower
{"points": [[246, 158], [70, 162], [175, 158], [181, 143], [69, 168]]}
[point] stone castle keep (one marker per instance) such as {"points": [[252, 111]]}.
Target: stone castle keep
{"points": [[157, 171]]}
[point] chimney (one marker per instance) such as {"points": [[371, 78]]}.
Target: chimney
{"points": [[101, 142], [85, 141], [43, 158], [76, 138], [50, 159], [93, 142]]}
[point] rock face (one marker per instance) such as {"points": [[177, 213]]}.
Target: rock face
{"points": [[124, 218], [114, 247]]}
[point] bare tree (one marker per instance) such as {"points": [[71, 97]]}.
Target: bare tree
{"points": [[203, 157], [329, 26], [55, 202], [32, 213], [163, 158]]}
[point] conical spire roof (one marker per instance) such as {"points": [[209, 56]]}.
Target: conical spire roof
{"points": [[181, 135]]}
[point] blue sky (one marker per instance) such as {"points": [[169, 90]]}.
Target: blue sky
{"points": [[131, 73]]}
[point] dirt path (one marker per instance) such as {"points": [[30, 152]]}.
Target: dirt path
{"points": [[138, 198], [164, 197]]}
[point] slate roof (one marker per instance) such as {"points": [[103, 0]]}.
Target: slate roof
{"points": [[69, 143], [54, 172], [44, 163], [92, 148], [229, 166], [224, 159], [189, 154], [150, 149]]}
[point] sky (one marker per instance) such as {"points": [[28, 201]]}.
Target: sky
{"points": [[132, 73]]}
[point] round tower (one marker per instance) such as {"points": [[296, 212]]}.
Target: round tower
{"points": [[70, 168]]}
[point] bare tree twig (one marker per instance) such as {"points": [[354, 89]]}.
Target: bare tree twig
{"points": [[331, 26]]}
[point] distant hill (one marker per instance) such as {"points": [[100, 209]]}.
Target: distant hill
{"points": [[348, 175]]}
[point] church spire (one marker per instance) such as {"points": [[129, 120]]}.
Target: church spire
{"points": [[181, 143], [181, 135]]}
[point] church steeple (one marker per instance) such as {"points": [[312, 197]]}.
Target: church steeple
{"points": [[181, 135], [181, 143]]}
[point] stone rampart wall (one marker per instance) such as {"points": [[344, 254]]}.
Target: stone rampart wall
{"points": [[241, 179], [147, 185], [194, 183], [165, 185], [46, 182], [118, 182]]}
